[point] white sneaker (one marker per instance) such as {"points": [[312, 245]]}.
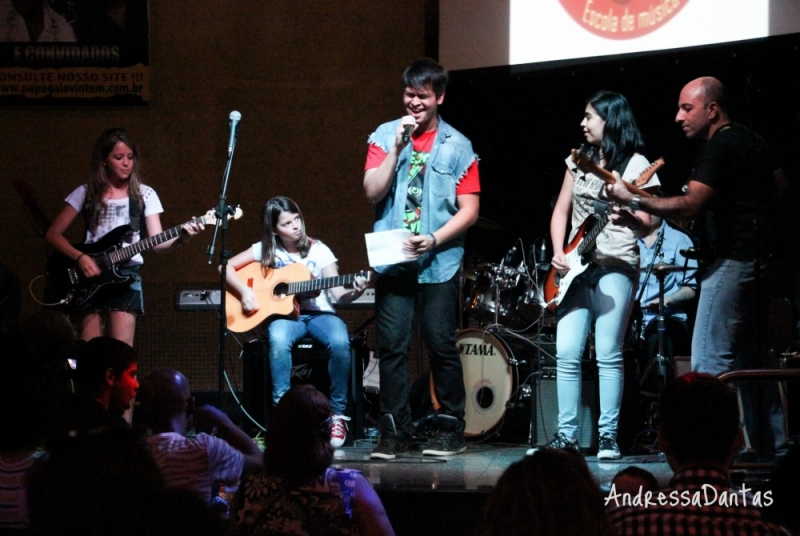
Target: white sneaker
{"points": [[338, 430]]}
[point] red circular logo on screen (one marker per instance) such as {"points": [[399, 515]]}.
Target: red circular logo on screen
{"points": [[622, 19]]}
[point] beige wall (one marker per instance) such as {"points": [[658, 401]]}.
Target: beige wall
{"points": [[311, 80]]}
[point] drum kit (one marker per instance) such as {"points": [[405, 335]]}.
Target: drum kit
{"points": [[508, 296], [506, 315]]}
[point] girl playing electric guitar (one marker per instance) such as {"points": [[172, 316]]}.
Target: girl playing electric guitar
{"points": [[113, 197], [603, 295]]}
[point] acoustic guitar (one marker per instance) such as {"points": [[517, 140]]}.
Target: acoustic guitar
{"points": [[275, 291], [557, 284]]}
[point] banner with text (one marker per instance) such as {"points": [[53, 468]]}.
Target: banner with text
{"points": [[74, 53]]}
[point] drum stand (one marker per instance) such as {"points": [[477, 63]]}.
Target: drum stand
{"points": [[664, 361]]}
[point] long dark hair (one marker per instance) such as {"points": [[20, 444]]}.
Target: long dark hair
{"points": [[621, 136], [98, 183], [298, 440], [269, 218]]}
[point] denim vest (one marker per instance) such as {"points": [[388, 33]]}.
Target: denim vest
{"points": [[449, 160]]}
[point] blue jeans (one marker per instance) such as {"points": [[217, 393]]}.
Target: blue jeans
{"points": [[726, 328], [327, 329], [604, 295], [395, 299]]}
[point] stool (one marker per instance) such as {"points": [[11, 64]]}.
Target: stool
{"points": [[309, 365]]}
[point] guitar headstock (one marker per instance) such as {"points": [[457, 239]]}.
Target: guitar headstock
{"points": [[645, 176], [583, 158], [210, 217]]}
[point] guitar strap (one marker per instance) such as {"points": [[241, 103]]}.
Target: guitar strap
{"points": [[135, 212]]}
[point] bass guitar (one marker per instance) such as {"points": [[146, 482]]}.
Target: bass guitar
{"points": [[276, 291], [66, 282], [557, 284]]}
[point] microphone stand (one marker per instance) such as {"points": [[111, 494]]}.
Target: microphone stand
{"points": [[222, 211]]}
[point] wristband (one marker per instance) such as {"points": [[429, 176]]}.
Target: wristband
{"points": [[79, 257], [433, 239]]}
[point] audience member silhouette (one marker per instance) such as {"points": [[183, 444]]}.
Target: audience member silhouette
{"points": [[25, 416], [297, 492], [699, 433], [785, 491], [202, 462], [550, 492], [106, 383], [634, 479], [106, 482]]}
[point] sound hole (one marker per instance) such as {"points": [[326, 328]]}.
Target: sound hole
{"points": [[484, 397], [280, 289]]}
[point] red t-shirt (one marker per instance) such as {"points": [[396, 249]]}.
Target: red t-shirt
{"points": [[470, 184]]}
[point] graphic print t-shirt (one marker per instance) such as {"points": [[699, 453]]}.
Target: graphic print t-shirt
{"points": [[115, 214], [421, 150]]}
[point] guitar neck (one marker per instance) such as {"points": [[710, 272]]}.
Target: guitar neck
{"points": [[585, 162], [312, 285], [588, 241], [123, 254]]}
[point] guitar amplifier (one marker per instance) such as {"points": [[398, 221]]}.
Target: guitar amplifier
{"points": [[309, 365], [544, 408]]}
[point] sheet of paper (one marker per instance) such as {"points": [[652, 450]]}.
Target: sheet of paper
{"points": [[386, 247]]}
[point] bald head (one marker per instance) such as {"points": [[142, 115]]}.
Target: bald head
{"points": [[711, 90], [163, 395], [702, 107]]}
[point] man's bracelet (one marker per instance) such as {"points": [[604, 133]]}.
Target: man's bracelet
{"points": [[79, 257], [433, 239]]}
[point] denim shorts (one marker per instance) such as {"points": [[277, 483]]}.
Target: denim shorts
{"points": [[127, 297]]}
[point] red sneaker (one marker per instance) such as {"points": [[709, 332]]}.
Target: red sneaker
{"points": [[338, 430]]}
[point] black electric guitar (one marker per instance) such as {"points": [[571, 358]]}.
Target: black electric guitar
{"points": [[66, 282]]}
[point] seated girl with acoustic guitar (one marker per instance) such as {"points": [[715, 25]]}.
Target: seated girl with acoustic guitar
{"points": [[284, 243], [113, 198]]}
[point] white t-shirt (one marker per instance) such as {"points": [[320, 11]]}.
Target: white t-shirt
{"points": [[319, 256], [116, 214], [197, 463], [615, 245]]}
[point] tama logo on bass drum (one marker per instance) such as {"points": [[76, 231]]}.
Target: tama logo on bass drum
{"points": [[476, 349]]}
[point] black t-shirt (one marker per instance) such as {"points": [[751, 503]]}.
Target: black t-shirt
{"points": [[737, 164]]}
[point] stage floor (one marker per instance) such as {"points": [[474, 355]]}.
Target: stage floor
{"points": [[447, 495], [477, 469]]}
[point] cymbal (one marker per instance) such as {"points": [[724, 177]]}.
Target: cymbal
{"points": [[486, 223], [664, 268]]}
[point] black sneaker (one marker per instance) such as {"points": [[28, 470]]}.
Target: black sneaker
{"points": [[448, 439], [390, 444], [560, 441], [608, 449]]}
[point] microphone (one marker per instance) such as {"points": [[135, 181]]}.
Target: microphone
{"points": [[407, 130], [541, 253], [510, 255], [691, 253], [235, 118]]}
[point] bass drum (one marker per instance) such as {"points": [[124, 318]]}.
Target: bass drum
{"points": [[490, 379]]}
